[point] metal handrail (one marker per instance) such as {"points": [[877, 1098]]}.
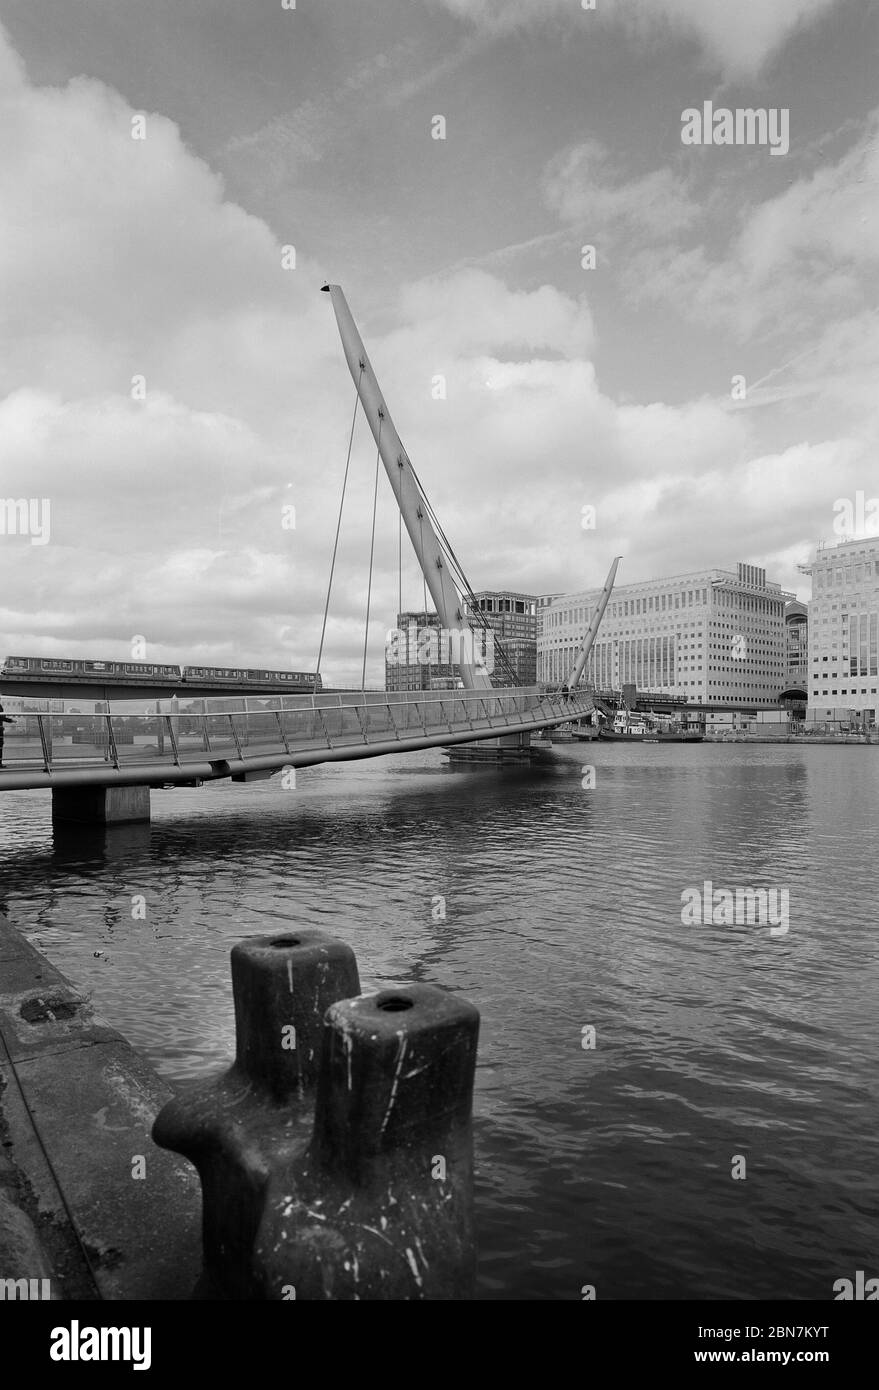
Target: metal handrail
{"points": [[435, 713]]}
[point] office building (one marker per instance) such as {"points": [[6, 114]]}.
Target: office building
{"points": [[796, 624], [843, 631], [712, 636], [513, 619], [418, 655]]}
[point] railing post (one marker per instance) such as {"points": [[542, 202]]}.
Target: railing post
{"points": [[111, 741], [323, 724], [282, 731], [173, 737], [393, 721], [46, 742], [231, 719]]}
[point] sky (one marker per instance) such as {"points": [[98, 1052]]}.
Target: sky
{"points": [[177, 181]]}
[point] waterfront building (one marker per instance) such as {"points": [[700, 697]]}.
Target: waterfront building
{"points": [[796, 626], [844, 631], [543, 602], [712, 636], [418, 655], [513, 617]]}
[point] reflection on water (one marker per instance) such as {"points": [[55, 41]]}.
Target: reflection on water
{"points": [[609, 1166]]}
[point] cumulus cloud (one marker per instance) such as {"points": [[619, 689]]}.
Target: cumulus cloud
{"points": [[803, 259], [125, 259]]}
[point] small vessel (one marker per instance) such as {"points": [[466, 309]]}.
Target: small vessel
{"points": [[628, 727], [584, 731], [678, 735]]}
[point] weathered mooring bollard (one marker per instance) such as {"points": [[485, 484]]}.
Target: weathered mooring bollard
{"points": [[336, 1154]]}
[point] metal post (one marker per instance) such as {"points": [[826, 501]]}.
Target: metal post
{"points": [[173, 737], [399, 470], [111, 739], [46, 743], [234, 734], [281, 731]]}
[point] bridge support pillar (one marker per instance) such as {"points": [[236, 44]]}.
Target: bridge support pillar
{"points": [[508, 748], [101, 805]]}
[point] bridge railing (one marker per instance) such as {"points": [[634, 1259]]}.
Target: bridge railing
{"points": [[281, 724]]}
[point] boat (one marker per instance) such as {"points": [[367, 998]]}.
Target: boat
{"points": [[675, 736], [626, 728], [584, 733], [634, 728]]}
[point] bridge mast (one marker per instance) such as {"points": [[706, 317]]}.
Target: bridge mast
{"points": [[399, 470], [592, 630]]}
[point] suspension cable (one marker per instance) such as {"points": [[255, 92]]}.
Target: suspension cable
{"points": [[371, 550], [423, 588], [339, 523]]}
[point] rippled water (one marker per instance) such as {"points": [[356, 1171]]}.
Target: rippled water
{"points": [[611, 1166]]}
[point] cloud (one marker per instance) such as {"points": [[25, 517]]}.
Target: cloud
{"points": [[736, 39], [581, 185], [795, 262], [518, 320], [124, 258]]}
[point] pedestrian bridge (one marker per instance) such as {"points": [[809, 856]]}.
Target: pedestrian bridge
{"points": [[254, 738], [101, 766]]}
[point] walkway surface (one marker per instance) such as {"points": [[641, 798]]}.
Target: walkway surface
{"points": [[86, 1198], [235, 738]]}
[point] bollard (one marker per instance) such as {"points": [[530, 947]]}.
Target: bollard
{"points": [[380, 1206], [235, 1128], [343, 1168]]}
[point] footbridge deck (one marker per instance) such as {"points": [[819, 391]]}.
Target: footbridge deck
{"points": [[244, 741]]}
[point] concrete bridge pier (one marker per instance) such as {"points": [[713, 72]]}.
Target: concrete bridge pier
{"points": [[507, 748], [88, 805]]}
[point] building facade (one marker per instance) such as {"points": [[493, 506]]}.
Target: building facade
{"points": [[844, 630], [513, 618], [712, 636], [418, 656], [796, 624]]}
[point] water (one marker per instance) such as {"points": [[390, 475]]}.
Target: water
{"points": [[609, 1166]]}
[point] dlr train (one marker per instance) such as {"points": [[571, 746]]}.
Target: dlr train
{"points": [[50, 668]]}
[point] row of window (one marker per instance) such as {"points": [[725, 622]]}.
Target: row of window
{"points": [[850, 573]]}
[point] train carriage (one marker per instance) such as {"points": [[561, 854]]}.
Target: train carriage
{"points": [[52, 666], [302, 681], [123, 672]]}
